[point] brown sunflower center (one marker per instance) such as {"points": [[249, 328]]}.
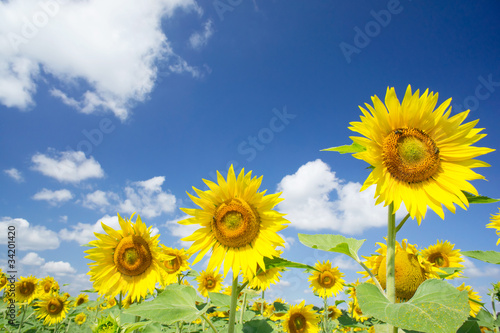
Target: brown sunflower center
{"points": [[26, 288], [439, 259], [132, 256], [3, 281], [55, 306], [210, 283], [47, 286], [172, 265], [235, 223], [80, 301], [297, 323], [410, 155], [326, 279]]}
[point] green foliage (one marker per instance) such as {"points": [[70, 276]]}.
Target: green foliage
{"points": [[444, 307], [347, 149], [333, 243], [491, 257], [448, 271], [281, 262], [222, 301], [479, 199]]}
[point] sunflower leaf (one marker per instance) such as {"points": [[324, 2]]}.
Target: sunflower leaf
{"points": [[444, 307], [448, 271], [281, 262], [478, 199], [175, 303], [491, 257], [221, 301], [347, 149], [333, 243]]}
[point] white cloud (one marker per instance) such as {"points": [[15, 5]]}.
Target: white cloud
{"points": [[29, 237], [68, 166], [15, 174], [309, 204], [472, 271], [200, 39], [63, 218], [32, 259], [53, 197], [112, 47], [82, 233], [181, 230], [57, 268], [96, 200]]}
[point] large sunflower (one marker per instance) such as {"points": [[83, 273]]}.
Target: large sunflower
{"points": [[125, 261], [420, 155], [326, 280], [237, 223], [301, 319], [52, 308], [26, 289], [495, 224], [443, 255]]}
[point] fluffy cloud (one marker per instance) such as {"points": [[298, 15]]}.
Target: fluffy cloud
{"points": [[53, 197], [82, 233], [112, 48], [309, 204], [57, 268], [32, 259], [180, 230], [200, 39], [15, 174], [68, 166], [29, 237], [472, 271], [143, 197]]}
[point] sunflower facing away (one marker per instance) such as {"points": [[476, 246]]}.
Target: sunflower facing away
{"points": [[443, 255], [47, 285], [209, 281], [52, 308], [26, 289], [326, 280], [495, 224], [420, 155], [237, 223], [301, 319], [125, 261]]}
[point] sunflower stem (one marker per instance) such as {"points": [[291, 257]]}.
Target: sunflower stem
{"points": [[22, 318], [325, 314], [262, 304], [234, 301], [400, 225], [391, 258], [374, 279], [243, 306], [209, 323]]}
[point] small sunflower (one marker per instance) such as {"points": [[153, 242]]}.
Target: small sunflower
{"points": [[443, 255], [334, 312], [420, 155], [301, 319], [82, 298], [52, 308], [3, 280], [277, 315], [126, 260], [209, 281], [176, 261], [356, 312], [47, 285], [109, 302], [237, 223], [80, 318], [107, 324], [495, 224], [326, 280], [263, 279], [474, 298], [26, 289], [411, 269]]}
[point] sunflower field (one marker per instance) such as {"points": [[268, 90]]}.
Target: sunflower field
{"points": [[418, 155]]}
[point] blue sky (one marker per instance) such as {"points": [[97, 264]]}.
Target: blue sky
{"points": [[115, 106]]}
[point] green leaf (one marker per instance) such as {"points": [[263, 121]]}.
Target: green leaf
{"points": [[175, 303], [443, 306], [470, 326], [491, 257], [485, 319], [281, 262], [257, 326], [448, 271], [333, 243], [479, 199], [221, 301], [347, 149], [130, 327]]}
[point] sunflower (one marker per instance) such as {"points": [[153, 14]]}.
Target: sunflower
{"points": [[495, 224], [80, 318], [26, 289], [271, 308], [52, 308], [126, 260], [209, 281], [107, 324], [443, 255], [356, 312], [474, 299], [411, 269], [109, 302], [326, 280], [175, 262], [237, 223], [333, 312], [263, 279], [301, 318], [420, 156], [47, 285], [3, 280], [82, 298]]}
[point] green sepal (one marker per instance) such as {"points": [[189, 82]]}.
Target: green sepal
{"points": [[478, 199], [347, 149], [333, 243], [491, 257]]}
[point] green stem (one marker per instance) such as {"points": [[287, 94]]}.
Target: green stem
{"points": [[234, 301], [391, 256], [243, 306], [374, 279], [209, 323], [494, 314], [262, 304], [325, 314], [22, 318], [400, 225]]}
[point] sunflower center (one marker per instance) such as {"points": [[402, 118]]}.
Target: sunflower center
{"points": [[440, 259], [210, 283], [46, 287], [27, 288], [235, 223], [132, 256], [3, 281], [410, 155], [80, 301], [326, 279], [173, 265], [298, 323], [55, 306]]}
